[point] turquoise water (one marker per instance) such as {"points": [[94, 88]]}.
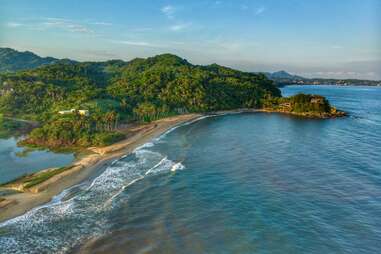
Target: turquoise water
{"points": [[241, 183], [13, 163]]}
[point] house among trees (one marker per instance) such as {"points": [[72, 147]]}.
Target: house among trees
{"points": [[82, 112], [285, 105], [317, 100], [6, 89]]}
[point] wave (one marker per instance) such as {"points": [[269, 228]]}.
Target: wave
{"points": [[177, 166], [139, 152], [60, 224], [165, 165], [146, 145]]}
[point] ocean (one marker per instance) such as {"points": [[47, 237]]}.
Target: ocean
{"points": [[237, 183]]}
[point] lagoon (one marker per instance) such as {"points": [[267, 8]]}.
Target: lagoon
{"points": [[17, 161]]}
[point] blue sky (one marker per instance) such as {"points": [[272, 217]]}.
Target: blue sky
{"points": [[320, 38]]}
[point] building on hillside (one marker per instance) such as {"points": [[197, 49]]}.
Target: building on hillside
{"points": [[66, 112], [317, 100], [82, 112], [285, 106]]}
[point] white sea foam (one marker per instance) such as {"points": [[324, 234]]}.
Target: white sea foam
{"points": [[60, 224], [177, 166], [121, 190], [146, 145], [157, 165]]}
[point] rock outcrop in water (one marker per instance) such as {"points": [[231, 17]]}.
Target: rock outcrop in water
{"points": [[305, 105]]}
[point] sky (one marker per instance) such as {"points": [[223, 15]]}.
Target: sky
{"points": [[320, 38]]}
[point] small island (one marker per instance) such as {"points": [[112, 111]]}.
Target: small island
{"points": [[304, 105]]}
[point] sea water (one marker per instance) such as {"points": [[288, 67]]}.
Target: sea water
{"points": [[240, 183]]}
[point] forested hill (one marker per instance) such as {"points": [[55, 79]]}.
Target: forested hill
{"points": [[12, 60], [166, 81], [116, 91]]}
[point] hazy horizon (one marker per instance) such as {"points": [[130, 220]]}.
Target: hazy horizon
{"points": [[329, 39]]}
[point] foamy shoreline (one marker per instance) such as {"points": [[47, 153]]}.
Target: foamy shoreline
{"points": [[20, 203], [17, 204]]}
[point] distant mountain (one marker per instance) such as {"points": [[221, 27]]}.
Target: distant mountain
{"points": [[115, 91], [12, 60], [283, 75], [283, 78]]}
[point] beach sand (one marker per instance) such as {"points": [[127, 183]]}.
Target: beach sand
{"points": [[84, 168]]}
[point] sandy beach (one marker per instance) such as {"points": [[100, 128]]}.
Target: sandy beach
{"points": [[83, 168]]}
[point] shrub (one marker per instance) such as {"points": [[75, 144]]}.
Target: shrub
{"points": [[107, 138]]}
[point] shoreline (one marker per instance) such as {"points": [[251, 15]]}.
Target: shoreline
{"points": [[82, 169], [306, 115]]}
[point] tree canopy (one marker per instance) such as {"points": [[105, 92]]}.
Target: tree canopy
{"points": [[114, 91]]}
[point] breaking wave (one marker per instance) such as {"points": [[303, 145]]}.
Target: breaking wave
{"points": [[59, 225]]}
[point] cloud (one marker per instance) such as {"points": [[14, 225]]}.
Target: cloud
{"points": [[168, 11], [54, 23], [142, 29], [101, 23], [56, 19], [137, 43], [65, 25], [259, 11], [180, 27], [336, 47], [14, 24], [162, 45]]}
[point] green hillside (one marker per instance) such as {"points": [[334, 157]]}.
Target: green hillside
{"points": [[12, 60], [113, 92]]}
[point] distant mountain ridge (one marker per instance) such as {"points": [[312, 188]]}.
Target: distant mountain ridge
{"points": [[282, 75], [12, 60], [283, 78]]}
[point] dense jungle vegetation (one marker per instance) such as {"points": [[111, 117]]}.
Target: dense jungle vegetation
{"points": [[116, 92]]}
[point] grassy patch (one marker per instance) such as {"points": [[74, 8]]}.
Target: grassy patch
{"points": [[108, 138], [18, 179], [43, 176], [31, 180]]}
